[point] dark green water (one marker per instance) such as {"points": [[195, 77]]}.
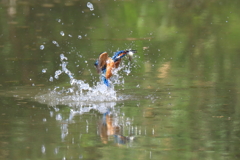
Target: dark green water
{"points": [[182, 93]]}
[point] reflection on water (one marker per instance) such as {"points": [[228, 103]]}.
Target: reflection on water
{"points": [[112, 126], [62, 131]]}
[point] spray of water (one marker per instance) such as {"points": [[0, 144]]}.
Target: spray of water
{"points": [[81, 92]]}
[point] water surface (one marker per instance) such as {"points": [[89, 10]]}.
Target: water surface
{"points": [[177, 99]]}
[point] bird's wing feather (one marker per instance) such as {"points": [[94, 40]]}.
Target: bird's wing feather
{"points": [[102, 60]]}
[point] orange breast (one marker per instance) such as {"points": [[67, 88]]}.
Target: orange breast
{"points": [[110, 67]]}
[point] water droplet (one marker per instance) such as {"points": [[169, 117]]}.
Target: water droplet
{"points": [[90, 6], [42, 47], [56, 43], [43, 149], [51, 79], [59, 117], [51, 113], [56, 150], [62, 33], [57, 73], [44, 70], [62, 57]]}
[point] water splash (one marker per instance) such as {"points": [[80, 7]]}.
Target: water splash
{"points": [[42, 47], [80, 92], [90, 6], [44, 70], [62, 33]]}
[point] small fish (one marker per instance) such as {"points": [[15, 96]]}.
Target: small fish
{"points": [[105, 64]]}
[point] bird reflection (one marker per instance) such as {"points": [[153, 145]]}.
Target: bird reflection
{"points": [[108, 127], [105, 65]]}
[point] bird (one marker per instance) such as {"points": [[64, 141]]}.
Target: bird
{"points": [[105, 64]]}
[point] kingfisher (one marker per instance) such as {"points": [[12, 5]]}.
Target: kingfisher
{"points": [[105, 64]]}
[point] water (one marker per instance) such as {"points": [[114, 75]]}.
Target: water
{"points": [[177, 99], [90, 6]]}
